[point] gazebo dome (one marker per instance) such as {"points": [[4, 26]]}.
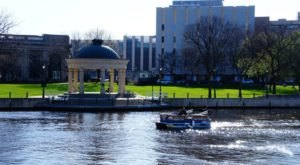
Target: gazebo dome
{"points": [[97, 51]]}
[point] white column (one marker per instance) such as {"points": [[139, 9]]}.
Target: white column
{"points": [[70, 80], [133, 54], [124, 47], [142, 54], [123, 81], [150, 53], [75, 80], [119, 81], [102, 88], [111, 81], [81, 79]]}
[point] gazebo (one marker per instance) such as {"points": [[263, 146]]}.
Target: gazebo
{"points": [[92, 57]]}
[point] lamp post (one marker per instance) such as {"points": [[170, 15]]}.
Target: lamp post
{"points": [[152, 85], [160, 77], [44, 80], [214, 78], [266, 84]]}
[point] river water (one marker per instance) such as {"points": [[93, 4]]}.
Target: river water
{"points": [[131, 138]]}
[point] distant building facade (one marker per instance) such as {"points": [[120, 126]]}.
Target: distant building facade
{"points": [[23, 57], [261, 22], [171, 22], [141, 53]]}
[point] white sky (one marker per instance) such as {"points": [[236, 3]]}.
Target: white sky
{"points": [[118, 17]]}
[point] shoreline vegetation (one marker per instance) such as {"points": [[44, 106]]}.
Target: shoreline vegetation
{"points": [[170, 91]]}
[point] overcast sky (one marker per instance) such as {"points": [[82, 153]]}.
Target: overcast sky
{"points": [[118, 17]]}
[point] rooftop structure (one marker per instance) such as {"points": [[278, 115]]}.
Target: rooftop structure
{"points": [[97, 50], [198, 2]]}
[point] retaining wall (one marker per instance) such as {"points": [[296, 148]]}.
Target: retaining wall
{"points": [[237, 103], [19, 103]]}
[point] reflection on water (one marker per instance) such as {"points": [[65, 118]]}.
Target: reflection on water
{"points": [[131, 138]]}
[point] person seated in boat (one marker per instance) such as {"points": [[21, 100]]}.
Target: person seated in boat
{"points": [[182, 112]]}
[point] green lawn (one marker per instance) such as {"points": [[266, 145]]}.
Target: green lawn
{"points": [[198, 91], [20, 90]]}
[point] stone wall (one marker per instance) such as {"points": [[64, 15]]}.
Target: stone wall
{"points": [[237, 103], [21, 103]]}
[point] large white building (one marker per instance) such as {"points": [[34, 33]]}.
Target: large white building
{"points": [[171, 21]]}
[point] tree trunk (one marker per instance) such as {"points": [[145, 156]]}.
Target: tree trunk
{"points": [[209, 89], [274, 88], [172, 76], [98, 75], [240, 89]]}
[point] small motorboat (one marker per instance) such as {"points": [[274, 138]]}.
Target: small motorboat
{"points": [[186, 121]]}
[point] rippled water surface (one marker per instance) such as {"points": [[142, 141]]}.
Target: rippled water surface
{"points": [[131, 138]]}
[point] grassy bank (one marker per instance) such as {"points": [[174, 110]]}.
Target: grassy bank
{"points": [[21, 90]]}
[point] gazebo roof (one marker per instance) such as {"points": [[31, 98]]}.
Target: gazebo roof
{"points": [[97, 51]]}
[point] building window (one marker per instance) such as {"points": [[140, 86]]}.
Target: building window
{"points": [[174, 51], [162, 39], [163, 27], [56, 75]]}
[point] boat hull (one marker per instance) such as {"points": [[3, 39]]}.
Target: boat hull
{"points": [[190, 121], [165, 125]]}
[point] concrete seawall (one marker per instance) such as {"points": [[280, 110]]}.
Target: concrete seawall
{"points": [[237, 103], [21, 103], [130, 104]]}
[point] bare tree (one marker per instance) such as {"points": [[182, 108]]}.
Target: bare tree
{"points": [[8, 51], [210, 37], [191, 61], [100, 34], [97, 34], [6, 22], [9, 70], [80, 39], [57, 66], [169, 61]]}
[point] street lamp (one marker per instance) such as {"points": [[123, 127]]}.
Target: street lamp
{"points": [[44, 79], [214, 78], [160, 77], [152, 85], [266, 84]]}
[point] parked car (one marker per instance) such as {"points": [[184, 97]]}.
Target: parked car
{"points": [[247, 81], [164, 81]]}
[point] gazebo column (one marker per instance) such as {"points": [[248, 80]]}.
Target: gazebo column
{"points": [[81, 79], [121, 81], [102, 81], [75, 85], [111, 80], [70, 80]]}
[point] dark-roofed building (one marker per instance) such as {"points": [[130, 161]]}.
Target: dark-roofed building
{"points": [[22, 57], [265, 22]]}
